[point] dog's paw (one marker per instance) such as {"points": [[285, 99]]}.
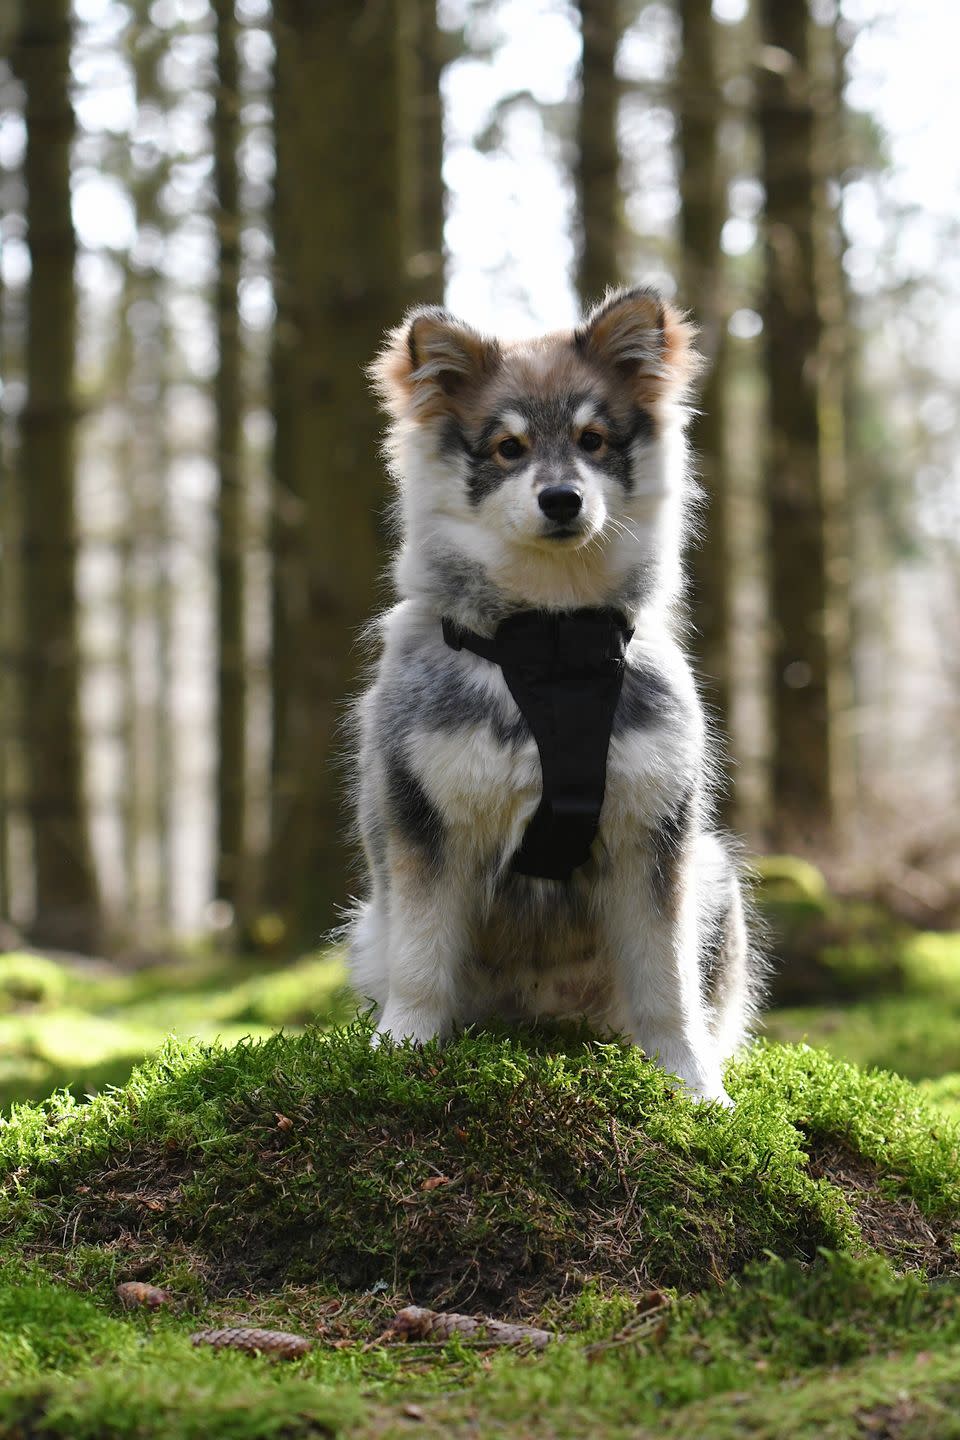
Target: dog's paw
{"points": [[406, 1027], [717, 1096]]}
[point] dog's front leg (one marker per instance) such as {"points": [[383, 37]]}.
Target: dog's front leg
{"points": [[648, 918], [427, 924]]}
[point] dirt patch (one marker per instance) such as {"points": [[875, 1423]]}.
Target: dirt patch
{"points": [[891, 1223]]}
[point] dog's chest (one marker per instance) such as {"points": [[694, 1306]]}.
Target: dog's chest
{"points": [[487, 788]]}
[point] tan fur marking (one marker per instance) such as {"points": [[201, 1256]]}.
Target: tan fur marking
{"points": [[408, 870], [633, 350], [684, 363]]}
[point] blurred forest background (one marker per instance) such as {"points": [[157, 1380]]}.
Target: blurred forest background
{"points": [[211, 210]]}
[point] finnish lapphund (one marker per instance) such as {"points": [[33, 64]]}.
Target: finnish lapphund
{"points": [[534, 771]]}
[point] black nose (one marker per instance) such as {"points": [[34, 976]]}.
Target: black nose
{"points": [[560, 502]]}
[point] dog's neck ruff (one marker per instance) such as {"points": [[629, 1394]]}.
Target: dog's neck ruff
{"points": [[565, 671]]}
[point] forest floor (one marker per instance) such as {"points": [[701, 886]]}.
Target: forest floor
{"points": [[790, 1269]]}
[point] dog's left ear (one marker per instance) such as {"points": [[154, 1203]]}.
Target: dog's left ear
{"points": [[646, 340]]}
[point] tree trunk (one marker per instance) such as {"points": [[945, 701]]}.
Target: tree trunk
{"points": [[597, 176], [703, 210], [231, 689], [146, 600], [837, 387], [340, 282], [67, 903], [9, 642], [802, 788], [421, 127], [8, 598]]}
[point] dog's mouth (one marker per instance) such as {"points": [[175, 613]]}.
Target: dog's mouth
{"points": [[564, 532]]}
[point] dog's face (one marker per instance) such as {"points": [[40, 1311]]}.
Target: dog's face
{"points": [[530, 451]]}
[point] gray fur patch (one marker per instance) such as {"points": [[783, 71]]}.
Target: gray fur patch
{"points": [[430, 693], [716, 928], [669, 843], [464, 591], [412, 815], [646, 701]]}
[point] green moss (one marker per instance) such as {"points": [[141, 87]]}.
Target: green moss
{"points": [[788, 878], [944, 1094], [916, 1036], [574, 1179], [46, 1327], [163, 1387], [839, 1328], [829, 948], [29, 980], [81, 1027], [308, 1157]]}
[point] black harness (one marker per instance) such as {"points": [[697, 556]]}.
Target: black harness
{"points": [[565, 671]]}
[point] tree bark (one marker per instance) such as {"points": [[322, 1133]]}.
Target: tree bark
{"points": [[231, 687], [421, 124], [9, 546], [142, 355], [802, 788], [67, 904], [597, 174], [837, 403], [703, 211], [340, 281]]}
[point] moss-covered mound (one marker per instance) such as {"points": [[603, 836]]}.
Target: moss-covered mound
{"points": [[495, 1171]]}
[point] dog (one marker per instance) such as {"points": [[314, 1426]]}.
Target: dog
{"points": [[549, 479]]}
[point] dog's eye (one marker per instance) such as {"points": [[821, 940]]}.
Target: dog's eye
{"points": [[591, 440], [510, 449]]}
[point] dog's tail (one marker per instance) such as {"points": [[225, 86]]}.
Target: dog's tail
{"points": [[731, 965]]}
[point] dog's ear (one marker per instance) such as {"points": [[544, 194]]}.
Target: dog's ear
{"points": [[645, 340], [428, 362]]}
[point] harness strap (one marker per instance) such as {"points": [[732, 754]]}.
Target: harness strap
{"points": [[565, 672]]}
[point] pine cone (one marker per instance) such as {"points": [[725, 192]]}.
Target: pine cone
{"points": [[417, 1323], [134, 1293], [279, 1343]]}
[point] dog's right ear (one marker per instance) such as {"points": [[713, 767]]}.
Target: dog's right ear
{"points": [[428, 362]]}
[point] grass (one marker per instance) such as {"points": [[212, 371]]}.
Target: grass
{"points": [[285, 1183]]}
